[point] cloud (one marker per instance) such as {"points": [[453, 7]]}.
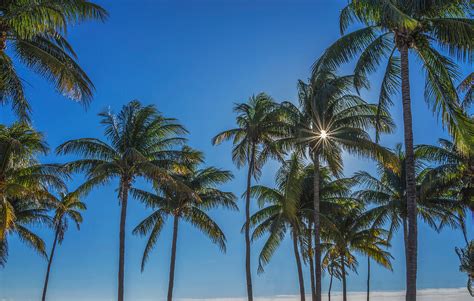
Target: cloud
{"points": [[441, 294]]}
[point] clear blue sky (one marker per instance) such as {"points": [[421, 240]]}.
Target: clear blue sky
{"points": [[193, 60]]}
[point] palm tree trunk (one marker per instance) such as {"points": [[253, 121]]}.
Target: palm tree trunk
{"points": [[50, 260], [410, 178], [298, 265], [344, 284], [368, 278], [317, 240], [125, 185], [405, 240], [330, 287], [248, 271], [311, 261], [173, 258]]}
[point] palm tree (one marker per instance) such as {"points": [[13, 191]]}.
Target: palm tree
{"points": [[332, 263], [141, 145], [332, 120], [283, 214], [351, 231], [404, 26], [466, 257], [189, 206], [456, 168], [24, 186], [259, 125], [34, 33], [68, 207], [436, 207]]}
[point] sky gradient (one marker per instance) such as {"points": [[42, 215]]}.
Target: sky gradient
{"points": [[194, 60]]}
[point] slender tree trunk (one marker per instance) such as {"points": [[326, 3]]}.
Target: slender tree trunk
{"points": [[410, 178], [125, 185], [311, 262], [173, 258], [344, 283], [317, 234], [405, 240], [50, 261], [330, 287], [368, 278], [298, 265], [248, 271]]}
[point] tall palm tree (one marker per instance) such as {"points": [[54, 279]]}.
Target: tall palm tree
{"points": [[388, 194], [404, 26], [332, 120], [141, 145], [466, 87], [33, 32], [189, 206], [24, 184], [67, 208], [466, 257], [259, 125], [351, 231], [284, 213]]}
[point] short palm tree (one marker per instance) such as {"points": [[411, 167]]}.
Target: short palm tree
{"points": [[350, 231], [68, 207], [456, 168], [189, 206], [33, 32], [284, 213], [140, 144], [259, 125], [388, 194], [24, 186], [403, 26], [466, 257], [331, 120], [332, 264]]}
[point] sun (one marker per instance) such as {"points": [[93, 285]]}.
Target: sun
{"points": [[323, 134]]}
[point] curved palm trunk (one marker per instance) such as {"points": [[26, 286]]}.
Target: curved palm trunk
{"points": [[344, 283], [125, 185], [311, 262], [317, 240], [298, 265], [173, 258], [410, 178], [248, 271], [50, 260], [368, 278]]}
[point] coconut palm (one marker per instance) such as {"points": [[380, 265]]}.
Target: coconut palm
{"points": [[335, 195], [190, 207], [332, 120], [403, 26], [332, 264], [436, 207], [350, 231], [284, 213], [24, 186], [33, 32], [456, 168], [259, 125], [141, 142], [68, 207], [466, 257]]}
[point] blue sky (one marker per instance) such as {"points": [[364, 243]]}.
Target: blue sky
{"points": [[193, 60]]}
